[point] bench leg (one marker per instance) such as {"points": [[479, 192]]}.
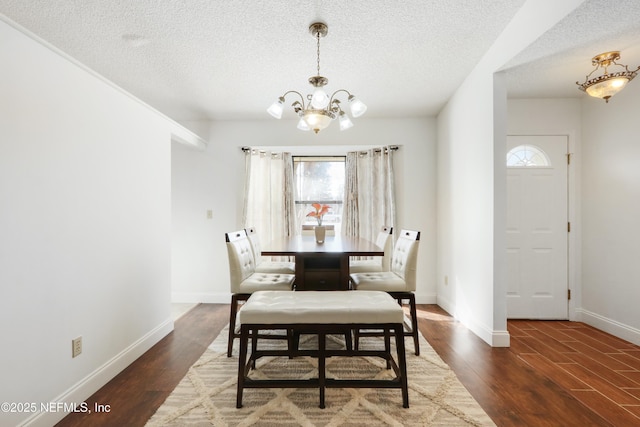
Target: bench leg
{"points": [[254, 347], [402, 364], [242, 361], [387, 346], [321, 366], [347, 340], [233, 311]]}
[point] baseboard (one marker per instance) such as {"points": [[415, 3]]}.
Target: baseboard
{"points": [[492, 337], [445, 304], [201, 297], [86, 387], [620, 330], [426, 299]]}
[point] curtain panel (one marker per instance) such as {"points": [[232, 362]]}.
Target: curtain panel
{"points": [[369, 193], [268, 201]]}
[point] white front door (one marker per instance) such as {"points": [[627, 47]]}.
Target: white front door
{"points": [[537, 227]]}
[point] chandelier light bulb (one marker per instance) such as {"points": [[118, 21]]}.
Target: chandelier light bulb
{"points": [[302, 125], [276, 108], [358, 107], [318, 119], [607, 89], [319, 99], [345, 122]]}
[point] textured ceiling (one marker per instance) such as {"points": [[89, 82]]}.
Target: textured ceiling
{"points": [[551, 65], [205, 59]]}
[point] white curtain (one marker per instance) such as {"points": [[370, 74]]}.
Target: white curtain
{"points": [[268, 202], [369, 193]]}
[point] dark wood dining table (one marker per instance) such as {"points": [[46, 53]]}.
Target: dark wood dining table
{"points": [[322, 266]]}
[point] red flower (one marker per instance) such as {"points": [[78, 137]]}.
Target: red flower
{"points": [[319, 211]]}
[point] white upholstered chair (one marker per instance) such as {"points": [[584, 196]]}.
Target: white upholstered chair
{"points": [[383, 263], [399, 282], [263, 266], [244, 280]]}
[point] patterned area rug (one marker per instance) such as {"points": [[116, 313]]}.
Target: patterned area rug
{"points": [[207, 394]]}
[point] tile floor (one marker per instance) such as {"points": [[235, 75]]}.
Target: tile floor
{"points": [[598, 369]]}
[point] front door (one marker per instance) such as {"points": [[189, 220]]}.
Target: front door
{"points": [[537, 226]]}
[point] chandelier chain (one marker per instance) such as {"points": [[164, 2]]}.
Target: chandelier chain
{"points": [[318, 50]]}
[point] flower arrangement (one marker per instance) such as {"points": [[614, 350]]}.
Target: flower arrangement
{"points": [[319, 212]]}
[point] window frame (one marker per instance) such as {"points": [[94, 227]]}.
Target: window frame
{"points": [[298, 202]]}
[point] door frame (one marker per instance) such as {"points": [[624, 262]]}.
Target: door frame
{"points": [[573, 215]]}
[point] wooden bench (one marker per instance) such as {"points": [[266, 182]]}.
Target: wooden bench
{"points": [[322, 313]]}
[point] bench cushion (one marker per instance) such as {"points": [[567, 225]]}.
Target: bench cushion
{"points": [[320, 307]]}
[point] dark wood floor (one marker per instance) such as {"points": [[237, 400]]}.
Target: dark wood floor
{"points": [[555, 373]]}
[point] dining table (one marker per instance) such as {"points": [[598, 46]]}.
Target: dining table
{"points": [[321, 266]]}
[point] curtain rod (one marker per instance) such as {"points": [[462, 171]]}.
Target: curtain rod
{"points": [[379, 150]]}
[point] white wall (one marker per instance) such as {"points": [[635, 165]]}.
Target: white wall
{"points": [[214, 179], [610, 211], [84, 228], [465, 208], [471, 189]]}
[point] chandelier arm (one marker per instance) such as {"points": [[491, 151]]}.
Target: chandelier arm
{"points": [[336, 92], [626, 67], [586, 78], [297, 93]]}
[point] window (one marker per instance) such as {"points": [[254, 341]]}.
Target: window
{"points": [[527, 156], [319, 180]]}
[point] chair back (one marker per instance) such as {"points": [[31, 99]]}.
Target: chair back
{"points": [[254, 241], [385, 241], [241, 262], [405, 257]]}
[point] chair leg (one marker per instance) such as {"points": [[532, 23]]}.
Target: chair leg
{"points": [[232, 324], [414, 322], [400, 296]]}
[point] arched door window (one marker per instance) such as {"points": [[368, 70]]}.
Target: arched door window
{"points": [[527, 156]]}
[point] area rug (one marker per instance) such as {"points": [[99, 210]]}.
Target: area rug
{"points": [[207, 394]]}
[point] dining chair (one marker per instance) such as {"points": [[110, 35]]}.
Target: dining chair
{"points": [[244, 280], [262, 266], [383, 263], [399, 282]]}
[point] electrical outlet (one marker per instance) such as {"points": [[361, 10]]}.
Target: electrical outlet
{"points": [[209, 214], [446, 280], [76, 347]]}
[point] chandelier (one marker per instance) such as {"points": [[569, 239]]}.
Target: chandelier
{"points": [[608, 84], [319, 109]]}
